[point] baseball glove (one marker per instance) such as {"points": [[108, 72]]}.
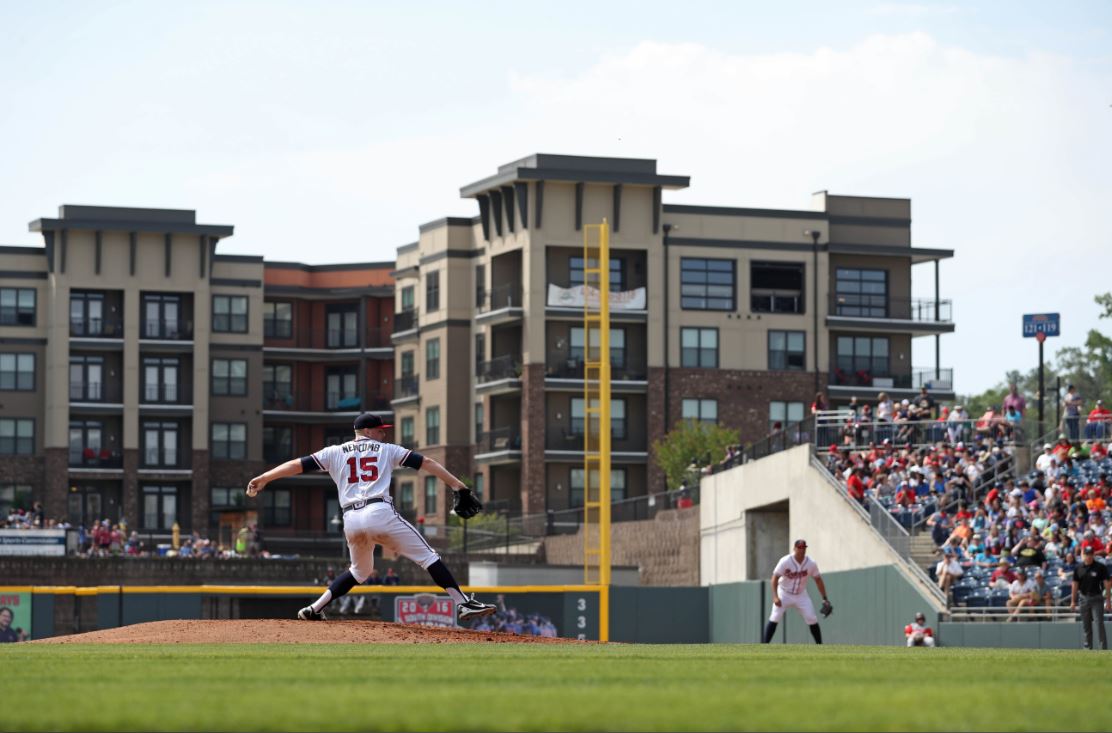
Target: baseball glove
{"points": [[826, 609], [467, 505]]}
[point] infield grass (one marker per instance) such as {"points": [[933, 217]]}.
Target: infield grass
{"points": [[538, 687]]}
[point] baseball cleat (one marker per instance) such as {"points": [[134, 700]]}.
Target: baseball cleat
{"points": [[474, 609], [308, 614]]}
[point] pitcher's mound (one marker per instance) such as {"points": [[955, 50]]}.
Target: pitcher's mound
{"points": [[271, 631]]}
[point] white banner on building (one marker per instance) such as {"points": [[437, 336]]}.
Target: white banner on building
{"points": [[574, 297], [33, 542]]}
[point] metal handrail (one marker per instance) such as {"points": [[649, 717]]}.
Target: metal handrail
{"points": [[865, 305], [405, 320], [506, 366], [500, 297]]}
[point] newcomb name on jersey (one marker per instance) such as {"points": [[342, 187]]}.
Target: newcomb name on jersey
{"points": [[361, 468]]}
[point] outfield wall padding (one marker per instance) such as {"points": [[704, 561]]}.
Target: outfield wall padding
{"points": [[659, 615], [1023, 635]]}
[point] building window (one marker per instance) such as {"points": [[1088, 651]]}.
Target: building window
{"points": [[432, 359], [278, 385], [341, 390], [160, 444], [480, 352], [617, 417], [229, 440], [87, 314], [479, 421], [430, 494], [86, 378], [407, 432], [17, 372], [577, 350], [617, 272], [775, 287], [275, 505], [17, 436], [707, 285], [408, 300], [432, 291], [229, 377], [577, 485], [227, 498], [14, 496], [162, 317], [699, 348], [17, 307], [861, 293], [405, 495], [862, 357], [786, 351], [229, 313], [782, 414], [161, 380], [86, 441], [407, 363], [701, 410], [432, 426], [478, 488], [277, 320], [277, 444], [160, 507], [480, 285], [343, 327]]}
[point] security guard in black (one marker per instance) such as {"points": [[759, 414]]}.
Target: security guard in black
{"points": [[1091, 578]]}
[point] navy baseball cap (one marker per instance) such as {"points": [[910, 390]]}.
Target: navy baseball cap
{"points": [[370, 420], [801, 543]]}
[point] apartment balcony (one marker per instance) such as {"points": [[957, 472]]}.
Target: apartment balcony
{"points": [[406, 390], [916, 316], [501, 304], [166, 399], [500, 375], [164, 461], [336, 345], [280, 405], [406, 324], [166, 330], [97, 328], [499, 446], [862, 383], [343, 402], [566, 372], [95, 397], [95, 459]]}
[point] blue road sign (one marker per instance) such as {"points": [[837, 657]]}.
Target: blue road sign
{"points": [[1036, 323]]}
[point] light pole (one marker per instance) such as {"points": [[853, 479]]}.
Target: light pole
{"points": [[815, 234]]}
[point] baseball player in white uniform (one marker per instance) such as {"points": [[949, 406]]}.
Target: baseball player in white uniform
{"points": [[789, 590], [362, 468]]}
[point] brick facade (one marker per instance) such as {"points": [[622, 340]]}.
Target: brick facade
{"points": [[656, 427], [532, 439], [52, 475], [129, 501]]}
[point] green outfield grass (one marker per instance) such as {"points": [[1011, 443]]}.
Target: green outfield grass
{"points": [[526, 687]]}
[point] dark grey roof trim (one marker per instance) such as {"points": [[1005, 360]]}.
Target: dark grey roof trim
{"points": [[22, 275], [741, 244], [215, 347], [330, 268], [15, 341], [573, 176], [405, 272], [380, 291], [453, 254], [447, 221], [884, 250], [869, 221], [12, 249], [237, 258], [408, 247], [236, 282], [737, 211], [443, 324], [149, 227]]}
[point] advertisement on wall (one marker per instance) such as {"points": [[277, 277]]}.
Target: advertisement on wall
{"points": [[50, 542], [425, 609], [15, 617]]}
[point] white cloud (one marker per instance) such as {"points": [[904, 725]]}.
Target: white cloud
{"points": [[912, 10]]}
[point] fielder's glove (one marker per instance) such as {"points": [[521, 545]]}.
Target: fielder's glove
{"points": [[826, 609], [467, 505]]}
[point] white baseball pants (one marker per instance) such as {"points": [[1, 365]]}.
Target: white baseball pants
{"points": [[380, 524], [799, 601]]}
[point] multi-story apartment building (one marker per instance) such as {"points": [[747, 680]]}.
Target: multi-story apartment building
{"points": [[733, 315], [145, 377]]}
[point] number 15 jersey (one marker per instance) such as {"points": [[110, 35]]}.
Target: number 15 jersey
{"points": [[362, 468]]}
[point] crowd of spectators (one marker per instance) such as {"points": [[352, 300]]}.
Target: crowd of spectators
{"points": [[512, 621]]}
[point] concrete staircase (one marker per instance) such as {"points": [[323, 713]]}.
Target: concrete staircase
{"points": [[922, 550]]}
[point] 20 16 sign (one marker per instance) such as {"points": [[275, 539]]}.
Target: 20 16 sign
{"points": [[425, 609]]}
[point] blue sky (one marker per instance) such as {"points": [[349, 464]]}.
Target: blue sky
{"points": [[327, 132]]}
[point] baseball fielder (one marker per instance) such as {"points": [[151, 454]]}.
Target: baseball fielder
{"points": [[362, 468], [789, 590]]}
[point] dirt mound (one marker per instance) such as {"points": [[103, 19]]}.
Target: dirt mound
{"points": [[272, 631]]}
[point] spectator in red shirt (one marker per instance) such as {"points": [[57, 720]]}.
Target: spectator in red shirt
{"points": [[855, 486], [1097, 426], [1091, 540], [1097, 451], [1003, 573]]}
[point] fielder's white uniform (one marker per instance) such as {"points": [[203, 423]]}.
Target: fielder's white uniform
{"points": [[362, 469], [793, 588]]}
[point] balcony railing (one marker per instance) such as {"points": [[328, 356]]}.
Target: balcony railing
{"points": [[95, 458], [343, 401], [166, 394], [277, 328], [941, 379], [572, 368], [342, 338], [378, 337], [771, 301], [405, 321], [95, 392], [406, 387], [499, 439], [168, 330], [502, 296], [169, 459], [277, 396], [854, 305], [96, 328], [500, 367]]}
